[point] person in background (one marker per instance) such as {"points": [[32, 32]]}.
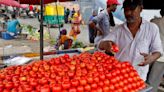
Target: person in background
{"points": [[75, 27], [12, 26], [155, 76], [138, 40], [101, 22], [92, 32], [160, 23], [64, 40], [67, 12], [73, 12]]}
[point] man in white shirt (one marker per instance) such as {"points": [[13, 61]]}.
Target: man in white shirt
{"points": [[138, 40]]}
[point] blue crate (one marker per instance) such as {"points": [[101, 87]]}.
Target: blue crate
{"points": [[7, 36]]}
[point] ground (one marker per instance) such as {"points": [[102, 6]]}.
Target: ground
{"points": [[34, 45]]}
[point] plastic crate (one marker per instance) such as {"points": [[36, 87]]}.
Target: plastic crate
{"points": [[6, 36], [53, 19]]}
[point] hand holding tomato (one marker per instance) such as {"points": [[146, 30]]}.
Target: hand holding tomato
{"points": [[106, 45]]}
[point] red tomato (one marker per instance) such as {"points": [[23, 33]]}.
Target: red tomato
{"points": [[99, 89], [102, 77], [90, 80], [87, 87], [80, 89], [101, 84], [106, 82], [45, 88], [71, 73], [94, 86], [96, 79], [72, 90], [9, 85], [105, 89], [66, 85], [115, 48], [56, 88], [83, 81], [74, 82]]}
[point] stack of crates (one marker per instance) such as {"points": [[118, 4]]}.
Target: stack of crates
{"points": [[52, 13]]}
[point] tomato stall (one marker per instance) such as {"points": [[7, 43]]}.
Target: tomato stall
{"points": [[84, 72]]}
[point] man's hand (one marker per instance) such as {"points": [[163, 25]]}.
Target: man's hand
{"points": [[147, 59], [106, 45]]}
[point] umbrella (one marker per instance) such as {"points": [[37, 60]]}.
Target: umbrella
{"points": [[10, 3], [5, 2], [40, 2], [23, 6], [14, 3]]}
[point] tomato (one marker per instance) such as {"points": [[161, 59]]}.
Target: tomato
{"points": [[115, 48], [72, 67], [23, 78], [106, 82], [45, 88], [33, 83], [71, 73], [90, 80], [43, 80], [99, 89], [96, 79], [80, 89], [105, 89], [72, 90], [108, 75], [66, 85], [6, 90], [56, 88], [111, 87], [27, 88], [94, 86], [101, 84], [9, 85], [82, 65], [102, 77], [74, 82], [83, 81], [53, 75], [87, 87]]}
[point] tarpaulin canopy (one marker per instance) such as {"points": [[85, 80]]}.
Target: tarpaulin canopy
{"points": [[37, 2]]}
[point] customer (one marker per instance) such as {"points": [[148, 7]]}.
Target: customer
{"points": [[158, 67], [138, 40], [160, 23], [75, 26], [101, 21], [92, 32], [12, 26]]}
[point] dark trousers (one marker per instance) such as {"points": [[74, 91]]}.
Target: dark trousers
{"points": [[91, 35]]}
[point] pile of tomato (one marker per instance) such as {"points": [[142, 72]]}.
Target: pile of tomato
{"points": [[85, 72]]}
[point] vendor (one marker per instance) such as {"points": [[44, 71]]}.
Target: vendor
{"points": [[138, 40], [13, 25], [64, 39]]}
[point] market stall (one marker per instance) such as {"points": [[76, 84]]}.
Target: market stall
{"points": [[73, 72]]}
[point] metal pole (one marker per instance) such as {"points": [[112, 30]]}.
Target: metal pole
{"points": [[41, 31]]}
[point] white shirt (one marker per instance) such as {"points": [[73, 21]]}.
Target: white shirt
{"points": [[147, 40]]}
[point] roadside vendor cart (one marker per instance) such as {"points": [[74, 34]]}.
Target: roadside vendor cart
{"points": [[70, 59]]}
